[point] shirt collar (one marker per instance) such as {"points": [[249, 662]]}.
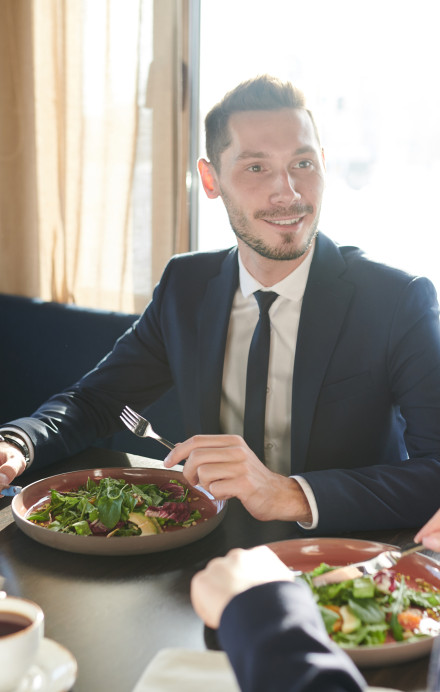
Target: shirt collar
{"points": [[291, 287]]}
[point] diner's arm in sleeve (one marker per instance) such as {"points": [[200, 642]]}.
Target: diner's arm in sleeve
{"points": [[402, 492], [136, 372], [275, 640]]}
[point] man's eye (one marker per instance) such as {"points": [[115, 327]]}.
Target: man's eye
{"points": [[303, 164], [255, 168]]}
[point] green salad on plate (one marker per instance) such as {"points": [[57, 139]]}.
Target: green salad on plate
{"points": [[369, 611], [113, 507]]}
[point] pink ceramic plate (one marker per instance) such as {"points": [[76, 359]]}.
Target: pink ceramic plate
{"points": [[307, 553], [212, 510]]}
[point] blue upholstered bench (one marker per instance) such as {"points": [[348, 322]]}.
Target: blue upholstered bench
{"points": [[45, 347]]}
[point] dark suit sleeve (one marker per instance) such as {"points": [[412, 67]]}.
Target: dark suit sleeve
{"points": [[275, 640], [402, 489], [162, 349], [136, 372]]}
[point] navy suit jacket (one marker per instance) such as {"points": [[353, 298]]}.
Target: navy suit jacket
{"points": [[276, 642], [366, 386]]}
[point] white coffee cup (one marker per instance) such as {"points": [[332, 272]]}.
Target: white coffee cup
{"points": [[21, 632]]}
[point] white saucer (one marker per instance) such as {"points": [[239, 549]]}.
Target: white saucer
{"points": [[54, 670]]}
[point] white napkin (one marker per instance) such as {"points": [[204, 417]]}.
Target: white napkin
{"points": [[194, 671], [188, 671]]}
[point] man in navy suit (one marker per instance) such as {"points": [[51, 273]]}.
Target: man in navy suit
{"points": [[352, 430]]}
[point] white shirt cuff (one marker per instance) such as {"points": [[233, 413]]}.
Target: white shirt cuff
{"points": [[308, 492], [21, 433]]}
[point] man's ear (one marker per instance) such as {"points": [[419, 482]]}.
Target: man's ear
{"points": [[208, 177]]}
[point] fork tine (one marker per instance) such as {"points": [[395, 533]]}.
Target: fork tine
{"points": [[127, 424], [127, 421], [141, 427], [123, 416], [129, 410], [130, 416], [136, 423]]}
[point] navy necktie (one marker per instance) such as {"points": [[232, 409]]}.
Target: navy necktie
{"points": [[256, 378]]}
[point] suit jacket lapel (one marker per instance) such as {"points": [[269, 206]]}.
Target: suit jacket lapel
{"points": [[213, 329], [325, 303]]}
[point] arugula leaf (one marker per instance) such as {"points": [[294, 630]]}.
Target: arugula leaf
{"points": [[55, 526], [367, 610], [41, 515], [150, 494], [192, 517], [423, 599], [110, 511], [91, 485], [397, 605], [396, 628], [82, 528]]}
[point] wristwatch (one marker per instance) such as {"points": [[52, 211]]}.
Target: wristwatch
{"points": [[18, 442]]}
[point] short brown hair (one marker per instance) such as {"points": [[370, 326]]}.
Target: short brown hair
{"points": [[264, 93]]}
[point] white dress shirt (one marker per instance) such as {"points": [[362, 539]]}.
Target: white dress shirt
{"points": [[284, 317]]}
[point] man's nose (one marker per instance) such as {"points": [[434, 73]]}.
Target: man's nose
{"points": [[284, 189]]}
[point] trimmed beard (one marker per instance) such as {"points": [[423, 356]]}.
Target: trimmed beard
{"points": [[239, 224]]}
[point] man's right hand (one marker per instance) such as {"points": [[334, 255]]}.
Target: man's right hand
{"points": [[12, 463], [226, 467]]}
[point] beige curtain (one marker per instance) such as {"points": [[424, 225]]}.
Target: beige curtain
{"points": [[19, 242], [73, 103], [168, 99]]}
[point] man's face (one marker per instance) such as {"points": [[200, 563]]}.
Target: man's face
{"points": [[271, 181]]}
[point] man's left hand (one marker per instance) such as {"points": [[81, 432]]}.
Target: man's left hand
{"points": [[12, 463], [226, 577]]}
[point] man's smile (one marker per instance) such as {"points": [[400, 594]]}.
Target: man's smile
{"points": [[285, 222], [290, 216]]}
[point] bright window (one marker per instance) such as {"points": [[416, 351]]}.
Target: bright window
{"points": [[369, 70]]}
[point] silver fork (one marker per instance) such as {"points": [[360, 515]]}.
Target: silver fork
{"points": [[370, 567], [139, 425]]}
